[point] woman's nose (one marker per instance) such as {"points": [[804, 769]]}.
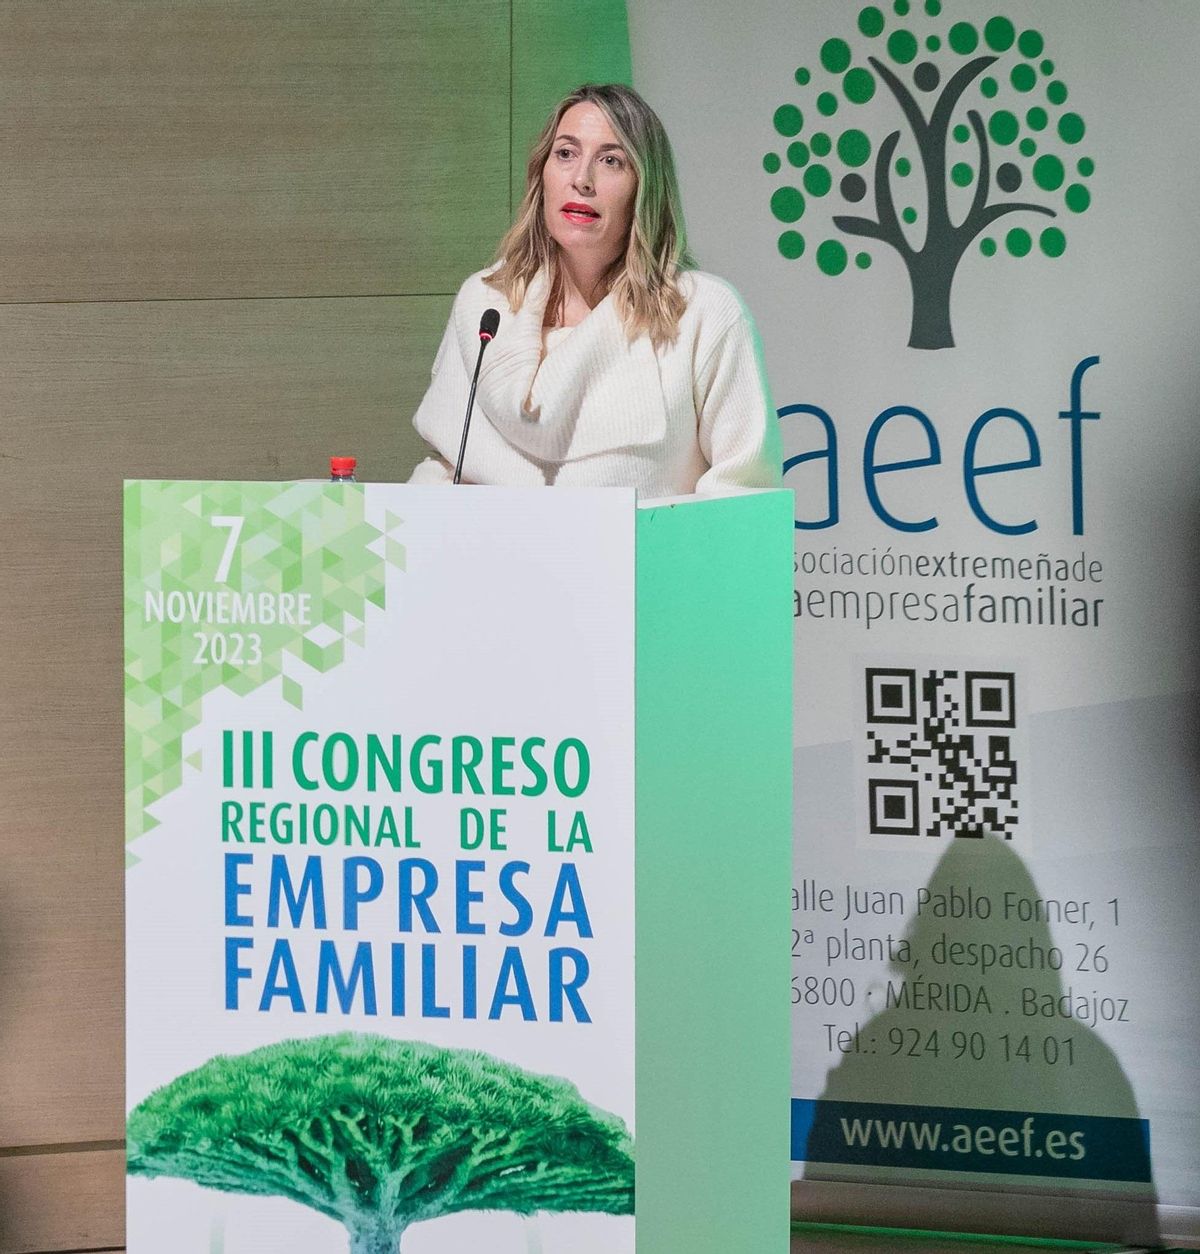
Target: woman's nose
{"points": [[583, 176]]}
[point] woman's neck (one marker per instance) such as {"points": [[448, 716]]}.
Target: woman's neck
{"points": [[582, 288]]}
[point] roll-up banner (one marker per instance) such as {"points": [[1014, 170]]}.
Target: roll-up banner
{"points": [[379, 893], [967, 234]]}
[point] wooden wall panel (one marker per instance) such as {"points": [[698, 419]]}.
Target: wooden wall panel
{"points": [[195, 389], [63, 1201], [229, 233], [198, 148]]}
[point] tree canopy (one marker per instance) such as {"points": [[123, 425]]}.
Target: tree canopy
{"points": [[380, 1134], [933, 130]]}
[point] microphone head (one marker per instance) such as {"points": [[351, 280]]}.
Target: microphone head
{"points": [[489, 324]]}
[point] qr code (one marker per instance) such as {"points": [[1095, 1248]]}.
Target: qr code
{"points": [[941, 752]]}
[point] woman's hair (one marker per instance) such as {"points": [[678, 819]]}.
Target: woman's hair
{"points": [[643, 281]]}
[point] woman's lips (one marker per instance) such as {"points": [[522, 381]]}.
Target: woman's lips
{"points": [[575, 212]]}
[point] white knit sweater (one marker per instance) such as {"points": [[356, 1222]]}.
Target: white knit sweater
{"points": [[599, 411]]}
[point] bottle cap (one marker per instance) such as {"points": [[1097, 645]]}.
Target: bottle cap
{"points": [[342, 465]]}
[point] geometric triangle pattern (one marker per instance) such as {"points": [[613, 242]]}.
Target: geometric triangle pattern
{"points": [[189, 632]]}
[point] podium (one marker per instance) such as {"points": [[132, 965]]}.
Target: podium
{"points": [[458, 869]]}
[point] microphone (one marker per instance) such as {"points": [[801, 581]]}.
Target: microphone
{"points": [[489, 324]]}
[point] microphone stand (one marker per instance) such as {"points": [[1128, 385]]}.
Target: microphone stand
{"points": [[488, 326]]}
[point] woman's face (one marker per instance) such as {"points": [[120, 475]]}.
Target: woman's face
{"points": [[589, 186]]}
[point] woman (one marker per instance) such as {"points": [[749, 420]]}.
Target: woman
{"points": [[615, 363]]}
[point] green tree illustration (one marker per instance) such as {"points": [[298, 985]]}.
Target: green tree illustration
{"points": [[984, 155], [380, 1134]]}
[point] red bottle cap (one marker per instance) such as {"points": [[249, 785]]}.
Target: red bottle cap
{"points": [[342, 465]]}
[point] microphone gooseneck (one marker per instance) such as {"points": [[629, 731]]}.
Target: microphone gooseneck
{"points": [[489, 324]]}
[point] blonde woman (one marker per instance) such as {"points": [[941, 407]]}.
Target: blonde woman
{"points": [[616, 363]]}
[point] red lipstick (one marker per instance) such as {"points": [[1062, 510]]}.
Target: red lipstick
{"points": [[577, 211]]}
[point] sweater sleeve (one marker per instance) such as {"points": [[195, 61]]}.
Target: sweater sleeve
{"points": [[432, 470], [736, 425], [432, 420]]}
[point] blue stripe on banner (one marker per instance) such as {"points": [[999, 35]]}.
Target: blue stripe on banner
{"points": [[947, 1138]]}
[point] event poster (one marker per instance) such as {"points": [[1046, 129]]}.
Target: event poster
{"points": [[966, 234], [380, 874]]}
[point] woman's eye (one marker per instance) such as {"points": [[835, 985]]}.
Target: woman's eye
{"points": [[614, 161]]}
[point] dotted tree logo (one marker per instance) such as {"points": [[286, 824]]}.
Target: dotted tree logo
{"points": [[985, 143]]}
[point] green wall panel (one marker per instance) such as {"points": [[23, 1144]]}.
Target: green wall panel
{"points": [[555, 48], [200, 148]]}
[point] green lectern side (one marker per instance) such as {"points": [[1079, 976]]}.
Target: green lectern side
{"points": [[714, 864]]}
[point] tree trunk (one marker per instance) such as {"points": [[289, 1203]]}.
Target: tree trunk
{"points": [[932, 278], [373, 1243]]}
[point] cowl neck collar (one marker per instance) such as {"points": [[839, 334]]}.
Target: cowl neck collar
{"points": [[594, 393]]}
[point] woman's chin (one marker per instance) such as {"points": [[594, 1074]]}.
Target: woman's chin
{"points": [[586, 244]]}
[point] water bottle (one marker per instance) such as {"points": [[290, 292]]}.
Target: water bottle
{"points": [[341, 469]]}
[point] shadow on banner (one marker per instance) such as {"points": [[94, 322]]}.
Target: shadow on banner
{"points": [[978, 1096]]}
